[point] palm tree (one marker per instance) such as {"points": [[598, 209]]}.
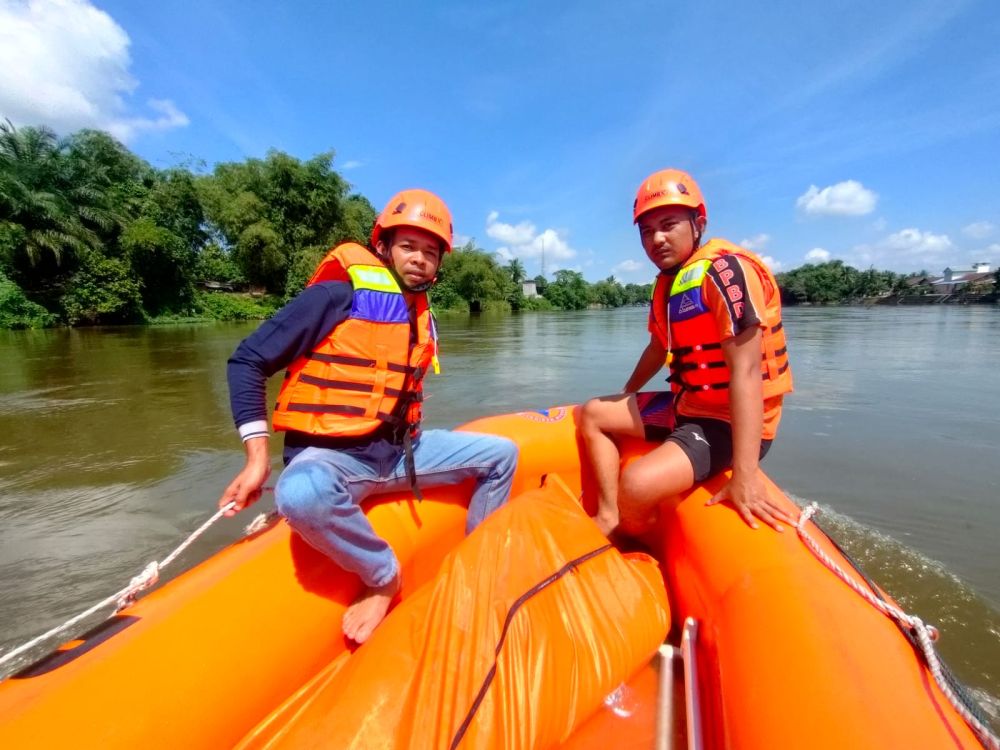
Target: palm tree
{"points": [[516, 270], [31, 196]]}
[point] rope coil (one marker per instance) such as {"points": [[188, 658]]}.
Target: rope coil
{"points": [[924, 633]]}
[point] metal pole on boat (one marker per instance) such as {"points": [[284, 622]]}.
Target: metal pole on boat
{"points": [[665, 703]]}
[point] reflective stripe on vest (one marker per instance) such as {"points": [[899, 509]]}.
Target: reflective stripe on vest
{"points": [[366, 371], [686, 327]]}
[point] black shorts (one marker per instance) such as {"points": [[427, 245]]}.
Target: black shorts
{"points": [[708, 443]]}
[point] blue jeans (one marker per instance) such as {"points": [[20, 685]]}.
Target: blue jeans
{"points": [[320, 491]]}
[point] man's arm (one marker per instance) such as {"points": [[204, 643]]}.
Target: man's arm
{"points": [[746, 489], [650, 362], [246, 488], [294, 331]]}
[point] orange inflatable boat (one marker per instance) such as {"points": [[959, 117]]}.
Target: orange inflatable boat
{"points": [[531, 632]]}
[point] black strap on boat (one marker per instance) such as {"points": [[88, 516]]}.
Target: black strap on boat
{"points": [[521, 600]]}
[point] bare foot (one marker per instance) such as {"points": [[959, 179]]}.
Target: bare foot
{"points": [[607, 521], [368, 610]]}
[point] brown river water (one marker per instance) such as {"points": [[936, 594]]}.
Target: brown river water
{"points": [[115, 444]]}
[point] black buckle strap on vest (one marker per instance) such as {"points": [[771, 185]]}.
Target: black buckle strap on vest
{"points": [[411, 466], [682, 351], [688, 366], [781, 370], [403, 430], [340, 359]]}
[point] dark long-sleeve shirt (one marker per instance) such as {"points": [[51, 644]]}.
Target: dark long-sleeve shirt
{"points": [[295, 330]]}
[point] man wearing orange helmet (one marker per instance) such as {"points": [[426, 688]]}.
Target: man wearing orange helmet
{"points": [[716, 320], [357, 343]]}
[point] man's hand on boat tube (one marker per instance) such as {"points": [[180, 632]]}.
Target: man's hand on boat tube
{"points": [[246, 488], [749, 495]]}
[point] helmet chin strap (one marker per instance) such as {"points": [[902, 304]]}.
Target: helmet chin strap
{"points": [[419, 287]]}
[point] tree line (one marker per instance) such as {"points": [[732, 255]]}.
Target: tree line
{"points": [[92, 234], [833, 282]]}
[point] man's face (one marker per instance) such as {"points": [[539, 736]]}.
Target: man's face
{"points": [[667, 235], [415, 255]]}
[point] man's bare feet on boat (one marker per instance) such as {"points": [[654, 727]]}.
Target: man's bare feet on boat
{"points": [[368, 610]]}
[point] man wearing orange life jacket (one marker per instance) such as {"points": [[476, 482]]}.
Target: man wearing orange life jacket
{"points": [[357, 343], [716, 319]]}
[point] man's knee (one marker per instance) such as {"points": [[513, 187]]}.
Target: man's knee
{"points": [[590, 415], [301, 489], [508, 451]]}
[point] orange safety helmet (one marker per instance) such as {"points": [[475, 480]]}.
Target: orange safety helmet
{"points": [[668, 187], [416, 208]]}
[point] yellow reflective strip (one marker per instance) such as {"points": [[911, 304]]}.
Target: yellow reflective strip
{"points": [[690, 277], [373, 277]]}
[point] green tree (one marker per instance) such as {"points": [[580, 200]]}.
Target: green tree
{"points": [[216, 264], [638, 294], [173, 203], [472, 275], [102, 291], [516, 270], [356, 222], [269, 210], [608, 293], [17, 311], [31, 178], [162, 264], [569, 291]]}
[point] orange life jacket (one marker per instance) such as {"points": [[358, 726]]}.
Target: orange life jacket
{"points": [[366, 372], [686, 327]]}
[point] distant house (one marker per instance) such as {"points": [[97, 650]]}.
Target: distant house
{"points": [[528, 289], [955, 280]]}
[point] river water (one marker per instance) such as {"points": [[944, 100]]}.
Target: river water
{"points": [[115, 443]]}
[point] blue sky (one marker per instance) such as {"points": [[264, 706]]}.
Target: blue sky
{"points": [[868, 132]]}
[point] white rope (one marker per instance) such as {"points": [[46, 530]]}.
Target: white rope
{"points": [[261, 522], [925, 634], [124, 598]]}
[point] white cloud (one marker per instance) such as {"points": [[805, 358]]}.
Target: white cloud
{"points": [[757, 242], [774, 265], [460, 239], [917, 242], [65, 64], [906, 250], [848, 198], [352, 164], [979, 229], [525, 241], [509, 233], [817, 255], [629, 266]]}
